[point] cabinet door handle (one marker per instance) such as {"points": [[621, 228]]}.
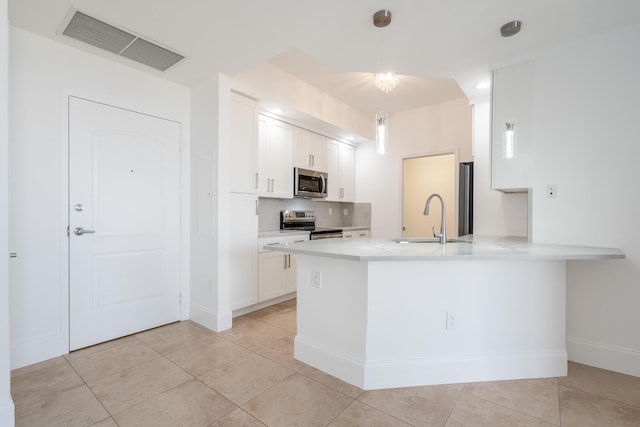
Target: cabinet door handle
{"points": [[288, 260], [272, 184], [313, 160], [257, 210], [257, 179], [310, 161]]}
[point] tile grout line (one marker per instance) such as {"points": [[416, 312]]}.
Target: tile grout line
{"points": [[92, 393], [599, 397], [453, 408], [559, 401], [259, 394], [193, 377], [512, 409], [341, 412], [384, 412], [144, 400], [197, 378]]}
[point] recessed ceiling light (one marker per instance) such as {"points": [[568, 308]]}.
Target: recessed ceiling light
{"points": [[482, 85]]}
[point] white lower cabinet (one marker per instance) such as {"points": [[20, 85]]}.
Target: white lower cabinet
{"points": [[273, 268], [276, 270]]}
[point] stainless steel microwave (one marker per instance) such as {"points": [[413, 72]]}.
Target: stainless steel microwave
{"points": [[308, 183]]}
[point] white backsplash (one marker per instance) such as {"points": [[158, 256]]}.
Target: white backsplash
{"points": [[329, 214]]}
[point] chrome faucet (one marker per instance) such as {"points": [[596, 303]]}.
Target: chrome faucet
{"points": [[443, 226]]}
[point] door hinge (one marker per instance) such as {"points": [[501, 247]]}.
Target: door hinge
{"points": [[67, 231]]}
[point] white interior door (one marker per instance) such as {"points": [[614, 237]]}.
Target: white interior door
{"points": [[124, 190]]}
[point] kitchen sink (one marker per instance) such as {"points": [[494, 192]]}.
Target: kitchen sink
{"points": [[427, 240]]}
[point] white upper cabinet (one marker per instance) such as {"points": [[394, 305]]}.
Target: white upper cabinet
{"points": [[341, 171], [512, 105], [244, 145], [275, 170], [308, 150]]}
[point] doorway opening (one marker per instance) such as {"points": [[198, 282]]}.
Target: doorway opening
{"points": [[421, 177]]}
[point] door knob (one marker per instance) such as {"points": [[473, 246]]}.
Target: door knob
{"points": [[79, 231]]}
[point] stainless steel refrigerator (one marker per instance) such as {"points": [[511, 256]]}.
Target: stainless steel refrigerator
{"points": [[465, 199]]}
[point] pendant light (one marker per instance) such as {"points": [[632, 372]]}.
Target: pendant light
{"points": [[386, 81], [509, 137], [382, 132]]}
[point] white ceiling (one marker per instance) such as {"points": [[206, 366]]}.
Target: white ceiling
{"points": [[333, 44]]}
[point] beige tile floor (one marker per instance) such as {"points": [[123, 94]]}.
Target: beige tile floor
{"points": [[185, 375]]}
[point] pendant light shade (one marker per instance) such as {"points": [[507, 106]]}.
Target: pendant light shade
{"points": [[381, 132], [509, 141]]}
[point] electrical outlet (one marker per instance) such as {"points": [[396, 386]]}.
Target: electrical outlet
{"points": [[452, 320], [316, 279], [330, 211], [345, 212], [552, 191]]}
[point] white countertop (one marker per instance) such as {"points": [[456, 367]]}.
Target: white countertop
{"points": [[474, 248], [353, 227], [275, 233]]}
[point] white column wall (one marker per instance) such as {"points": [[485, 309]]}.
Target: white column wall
{"points": [[6, 403], [42, 74], [587, 143], [210, 301]]}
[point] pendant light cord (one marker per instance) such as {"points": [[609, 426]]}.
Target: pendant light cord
{"points": [[382, 66]]}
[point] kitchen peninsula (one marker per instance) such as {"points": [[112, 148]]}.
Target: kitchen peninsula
{"points": [[385, 313]]}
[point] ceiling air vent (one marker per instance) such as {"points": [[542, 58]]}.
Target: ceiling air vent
{"points": [[104, 36]]}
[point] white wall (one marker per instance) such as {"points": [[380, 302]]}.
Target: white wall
{"points": [[588, 143], [42, 73], [210, 154], [434, 129], [6, 404], [494, 213]]}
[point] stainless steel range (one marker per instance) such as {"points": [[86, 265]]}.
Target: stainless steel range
{"points": [[306, 220]]}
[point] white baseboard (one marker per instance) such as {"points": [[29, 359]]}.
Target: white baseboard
{"points": [[244, 310], [7, 413], [28, 352], [604, 356], [445, 369], [217, 322]]}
